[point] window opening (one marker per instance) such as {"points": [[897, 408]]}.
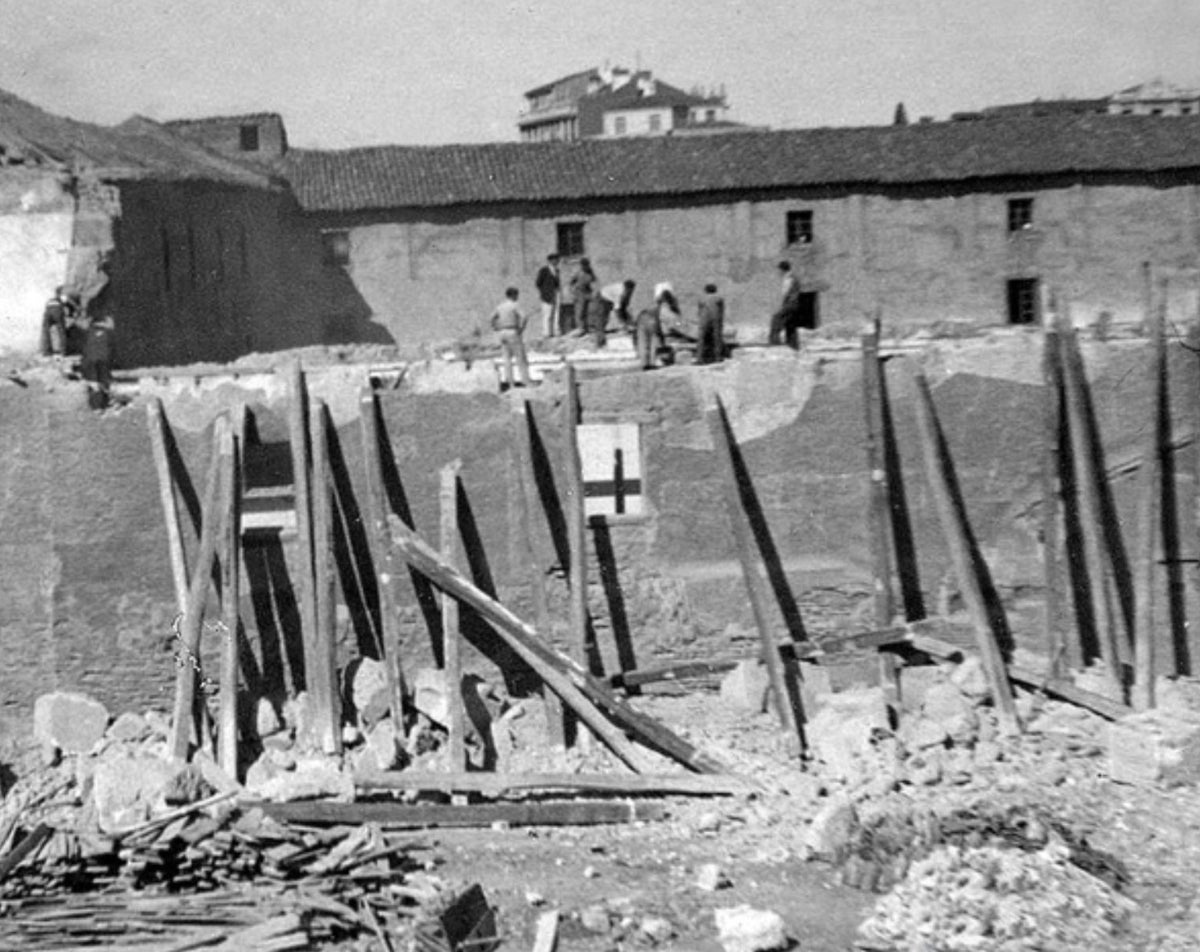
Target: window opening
{"points": [[570, 239], [1023, 301], [335, 248], [248, 138], [1020, 214], [799, 227]]}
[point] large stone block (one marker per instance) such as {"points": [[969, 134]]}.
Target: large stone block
{"points": [[1155, 747], [745, 687], [71, 722]]}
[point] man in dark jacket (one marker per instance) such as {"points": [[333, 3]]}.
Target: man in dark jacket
{"points": [[58, 314], [548, 284], [785, 322], [98, 355]]}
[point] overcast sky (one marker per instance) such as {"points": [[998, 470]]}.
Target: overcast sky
{"points": [[362, 72]]}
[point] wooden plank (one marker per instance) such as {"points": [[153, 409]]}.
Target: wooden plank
{"points": [[231, 570], [395, 815], [323, 680], [451, 636], [525, 491], [566, 677], [1097, 558], [545, 937], [1149, 514], [157, 422], [495, 785], [382, 554], [879, 527], [756, 585], [957, 532], [305, 582], [576, 523], [26, 848], [214, 503]]}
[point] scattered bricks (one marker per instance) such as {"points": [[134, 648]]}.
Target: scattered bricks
{"points": [[745, 687], [946, 706], [1155, 747], [710, 877], [829, 834], [71, 722], [744, 929]]}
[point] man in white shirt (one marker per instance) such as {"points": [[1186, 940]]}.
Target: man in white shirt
{"points": [[509, 322]]}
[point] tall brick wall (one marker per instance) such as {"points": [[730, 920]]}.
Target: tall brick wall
{"points": [[926, 257], [87, 595]]}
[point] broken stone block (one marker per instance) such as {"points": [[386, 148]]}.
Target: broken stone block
{"points": [[828, 835], [1181, 694], [1098, 680], [710, 877], [815, 686], [971, 679], [128, 728], [1155, 747], [369, 690], [745, 688], [313, 779], [382, 749], [920, 733], [187, 786], [745, 929], [915, 682], [842, 732], [298, 715], [656, 929], [71, 722], [431, 695], [946, 706], [266, 720], [595, 919], [125, 789]]}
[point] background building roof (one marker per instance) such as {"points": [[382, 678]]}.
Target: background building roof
{"points": [[431, 176]]}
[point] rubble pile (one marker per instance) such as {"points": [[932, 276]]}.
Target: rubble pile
{"points": [[992, 899]]}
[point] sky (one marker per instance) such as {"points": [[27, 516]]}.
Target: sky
{"points": [[347, 73]]}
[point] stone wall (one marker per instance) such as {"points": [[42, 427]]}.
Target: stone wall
{"points": [[927, 257], [87, 599]]}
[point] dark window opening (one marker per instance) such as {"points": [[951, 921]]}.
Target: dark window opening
{"points": [[799, 227], [335, 248], [570, 239], [248, 138], [710, 115], [1023, 301], [619, 125], [1020, 214], [655, 122], [810, 310]]}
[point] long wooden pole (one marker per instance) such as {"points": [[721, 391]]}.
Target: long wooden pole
{"points": [[451, 636], [1088, 479], [957, 531], [526, 503], [231, 570], [305, 582], [756, 586], [188, 665], [1149, 514], [578, 688], [157, 422], [381, 552], [324, 684], [576, 523]]}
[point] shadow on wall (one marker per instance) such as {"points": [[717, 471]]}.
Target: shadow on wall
{"points": [[347, 317]]}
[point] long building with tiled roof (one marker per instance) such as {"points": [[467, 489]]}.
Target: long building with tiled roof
{"points": [[861, 158]]}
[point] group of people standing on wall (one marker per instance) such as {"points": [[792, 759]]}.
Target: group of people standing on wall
{"points": [[68, 328], [653, 329]]}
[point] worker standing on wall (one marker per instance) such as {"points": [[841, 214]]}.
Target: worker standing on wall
{"points": [[785, 322], [98, 354], [549, 283], [711, 314], [509, 322], [58, 313], [615, 299], [583, 290]]}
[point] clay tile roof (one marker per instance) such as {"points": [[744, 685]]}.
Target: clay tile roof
{"points": [[137, 149], [878, 156]]}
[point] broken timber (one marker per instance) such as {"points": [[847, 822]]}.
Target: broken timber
{"points": [[584, 693], [496, 785], [396, 815]]}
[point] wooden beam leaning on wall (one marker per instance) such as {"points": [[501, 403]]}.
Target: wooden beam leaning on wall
{"points": [[787, 705], [301, 482], [578, 688], [188, 669], [968, 565], [381, 550], [157, 422], [231, 570], [322, 679]]}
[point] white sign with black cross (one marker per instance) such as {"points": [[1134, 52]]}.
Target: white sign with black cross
{"points": [[611, 458]]}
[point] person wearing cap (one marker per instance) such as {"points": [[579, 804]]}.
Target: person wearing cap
{"points": [[785, 322], [549, 282], [509, 322], [711, 314]]}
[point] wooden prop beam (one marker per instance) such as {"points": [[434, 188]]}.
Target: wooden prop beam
{"points": [[305, 583], [957, 532], [214, 503], [496, 785], [382, 555], [576, 522], [579, 689], [418, 815], [231, 571], [756, 586], [323, 680], [451, 635], [157, 422]]}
